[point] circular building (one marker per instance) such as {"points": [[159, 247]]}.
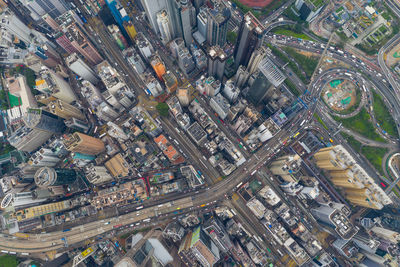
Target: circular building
{"points": [[46, 176]]}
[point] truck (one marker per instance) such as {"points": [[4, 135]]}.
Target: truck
{"points": [[66, 230], [340, 52]]}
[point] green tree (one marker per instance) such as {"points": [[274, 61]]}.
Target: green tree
{"points": [[298, 28], [3, 100], [231, 37], [162, 109]]}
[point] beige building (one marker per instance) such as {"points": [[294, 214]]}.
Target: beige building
{"points": [[359, 188], [49, 82], [82, 143], [65, 110], [117, 166], [183, 96], [333, 158]]}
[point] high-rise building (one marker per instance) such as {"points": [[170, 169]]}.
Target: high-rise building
{"points": [[145, 47], [174, 12], [202, 21], [386, 234], [231, 92], [208, 86], [256, 57], [38, 8], [72, 38], [15, 26], [171, 83], [250, 36], [118, 36], [82, 143], [180, 18], [241, 77], [198, 3], [158, 66], [335, 216], [286, 167], [46, 176], [38, 119], [220, 105], [259, 88], [198, 247], [44, 158], [79, 67], [164, 26], [186, 21], [217, 26], [65, 110], [119, 13], [114, 83], [152, 7], [185, 61], [27, 139], [77, 125], [50, 83], [153, 86], [216, 62], [130, 30], [97, 174], [271, 72], [105, 112], [183, 96], [199, 57], [360, 189], [51, 22], [135, 60]]}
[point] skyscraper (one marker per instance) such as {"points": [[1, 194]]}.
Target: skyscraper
{"points": [[197, 246], [286, 167], [79, 67], [40, 7], [335, 216], [255, 59], [360, 189], [216, 62], [27, 139], [97, 174], [38, 119], [183, 96], [50, 83], [258, 88], [179, 12], [82, 143], [217, 26], [250, 35], [119, 14], [15, 26], [272, 72], [46, 176], [164, 26], [152, 7], [72, 38], [65, 110]]}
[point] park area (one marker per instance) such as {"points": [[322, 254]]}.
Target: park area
{"points": [[340, 94], [374, 155], [383, 116], [256, 3], [362, 124]]}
